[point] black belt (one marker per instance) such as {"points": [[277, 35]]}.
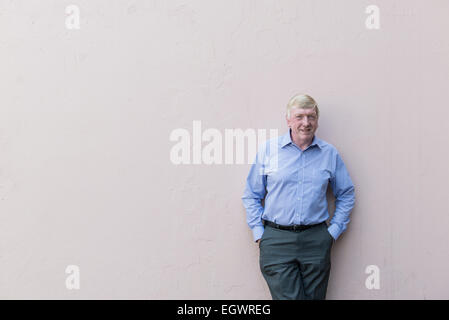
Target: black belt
{"points": [[295, 227]]}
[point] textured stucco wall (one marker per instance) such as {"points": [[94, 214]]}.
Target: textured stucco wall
{"points": [[86, 115]]}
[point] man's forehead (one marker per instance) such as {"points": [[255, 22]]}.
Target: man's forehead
{"points": [[302, 111]]}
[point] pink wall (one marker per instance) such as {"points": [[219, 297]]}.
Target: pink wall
{"points": [[86, 177]]}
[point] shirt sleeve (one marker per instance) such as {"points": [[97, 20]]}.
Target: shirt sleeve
{"points": [[255, 191], [343, 190]]}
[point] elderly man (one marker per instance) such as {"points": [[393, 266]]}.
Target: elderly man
{"points": [[294, 240]]}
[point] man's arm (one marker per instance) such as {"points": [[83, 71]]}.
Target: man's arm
{"points": [[255, 191], [343, 190]]}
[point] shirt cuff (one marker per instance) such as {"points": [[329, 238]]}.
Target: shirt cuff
{"points": [[334, 230], [258, 232]]}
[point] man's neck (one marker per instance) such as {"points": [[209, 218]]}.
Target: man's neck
{"points": [[302, 144]]}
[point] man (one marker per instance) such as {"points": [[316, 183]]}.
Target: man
{"points": [[291, 174]]}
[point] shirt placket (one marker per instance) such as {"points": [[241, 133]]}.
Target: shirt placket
{"points": [[300, 188]]}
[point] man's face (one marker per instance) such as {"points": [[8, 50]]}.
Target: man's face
{"points": [[303, 123]]}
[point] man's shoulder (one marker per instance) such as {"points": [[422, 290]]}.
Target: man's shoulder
{"points": [[326, 146]]}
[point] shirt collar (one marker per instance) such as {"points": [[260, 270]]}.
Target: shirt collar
{"points": [[287, 139]]}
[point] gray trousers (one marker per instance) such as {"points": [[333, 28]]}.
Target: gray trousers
{"points": [[296, 264]]}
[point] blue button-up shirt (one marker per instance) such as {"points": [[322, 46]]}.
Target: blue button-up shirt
{"points": [[294, 183]]}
